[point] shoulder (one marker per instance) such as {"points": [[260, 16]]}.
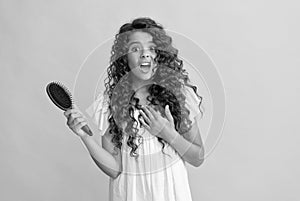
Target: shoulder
{"points": [[101, 102], [192, 101], [98, 111], [190, 95]]}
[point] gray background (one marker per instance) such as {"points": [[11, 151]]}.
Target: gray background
{"points": [[255, 45]]}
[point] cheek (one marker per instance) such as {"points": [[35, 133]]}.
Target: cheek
{"points": [[154, 55], [132, 60]]}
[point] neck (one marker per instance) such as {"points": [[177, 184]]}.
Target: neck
{"points": [[138, 84]]}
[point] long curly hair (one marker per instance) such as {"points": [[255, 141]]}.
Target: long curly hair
{"points": [[166, 89]]}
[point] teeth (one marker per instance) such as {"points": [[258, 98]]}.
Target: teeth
{"points": [[146, 64]]}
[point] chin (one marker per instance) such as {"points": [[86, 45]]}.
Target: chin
{"points": [[142, 76]]}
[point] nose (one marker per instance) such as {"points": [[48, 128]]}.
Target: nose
{"points": [[145, 54]]}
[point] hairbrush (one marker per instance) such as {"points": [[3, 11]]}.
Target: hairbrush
{"points": [[62, 98]]}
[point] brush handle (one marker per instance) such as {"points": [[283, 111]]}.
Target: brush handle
{"points": [[86, 129]]}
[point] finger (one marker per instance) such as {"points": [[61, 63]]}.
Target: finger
{"points": [[75, 114], [78, 120], [79, 126], [69, 111], [72, 118], [147, 112], [153, 112], [144, 123], [145, 117]]}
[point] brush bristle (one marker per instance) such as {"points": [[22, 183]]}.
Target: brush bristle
{"points": [[60, 95]]}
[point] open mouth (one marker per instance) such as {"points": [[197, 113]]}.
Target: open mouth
{"points": [[145, 67]]}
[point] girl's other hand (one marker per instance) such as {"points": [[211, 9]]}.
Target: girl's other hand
{"points": [[75, 121], [156, 124]]}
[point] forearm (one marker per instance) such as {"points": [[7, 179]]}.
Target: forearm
{"points": [[103, 159], [192, 153]]}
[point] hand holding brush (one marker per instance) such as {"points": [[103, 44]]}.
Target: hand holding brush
{"points": [[62, 98]]}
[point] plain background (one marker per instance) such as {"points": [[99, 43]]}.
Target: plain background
{"points": [[255, 45]]}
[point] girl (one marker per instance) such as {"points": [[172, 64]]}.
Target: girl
{"points": [[146, 117]]}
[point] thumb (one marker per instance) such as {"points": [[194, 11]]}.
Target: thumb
{"points": [[168, 113]]}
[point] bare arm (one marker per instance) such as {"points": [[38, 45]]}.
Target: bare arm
{"points": [[103, 158], [189, 146], [110, 164]]}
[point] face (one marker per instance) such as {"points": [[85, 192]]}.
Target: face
{"points": [[141, 55]]}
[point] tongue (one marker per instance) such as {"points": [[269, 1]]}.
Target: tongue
{"points": [[145, 69]]}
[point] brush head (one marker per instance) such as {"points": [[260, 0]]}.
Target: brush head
{"points": [[59, 95]]}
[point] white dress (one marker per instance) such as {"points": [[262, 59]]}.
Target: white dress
{"points": [[154, 176]]}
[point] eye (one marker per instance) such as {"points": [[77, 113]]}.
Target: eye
{"points": [[152, 48], [135, 49]]}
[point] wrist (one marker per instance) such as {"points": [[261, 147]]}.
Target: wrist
{"points": [[84, 137], [170, 135]]}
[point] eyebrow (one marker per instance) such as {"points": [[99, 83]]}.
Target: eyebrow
{"points": [[133, 42]]}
